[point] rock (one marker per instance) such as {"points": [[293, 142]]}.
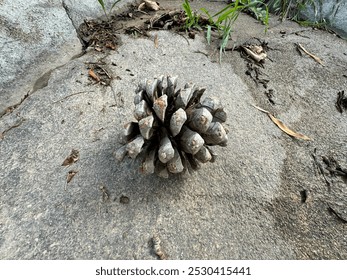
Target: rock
{"points": [[36, 37]]}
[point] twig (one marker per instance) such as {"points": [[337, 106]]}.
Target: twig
{"points": [[205, 54], [320, 168], [72, 95], [338, 216], [316, 58]]}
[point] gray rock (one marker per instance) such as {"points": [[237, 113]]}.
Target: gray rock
{"points": [[91, 9], [36, 37], [33, 35], [333, 12]]}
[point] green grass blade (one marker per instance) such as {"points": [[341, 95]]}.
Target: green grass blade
{"points": [[187, 9], [102, 4], [114, 4]]}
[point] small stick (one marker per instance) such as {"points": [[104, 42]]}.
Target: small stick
{"points": [[71, 95], [316, 58]]}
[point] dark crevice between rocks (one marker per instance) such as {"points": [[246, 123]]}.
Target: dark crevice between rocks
{"points": [[67, 10], [39, 84]]}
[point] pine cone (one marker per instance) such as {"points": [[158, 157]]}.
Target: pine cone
{"points": [[174, 131]]}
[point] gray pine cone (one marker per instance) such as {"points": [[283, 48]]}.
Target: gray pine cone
{"points": [[174, 131]]}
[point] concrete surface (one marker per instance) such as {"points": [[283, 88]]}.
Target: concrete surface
{"points": [[249, 204], [36, 37]]}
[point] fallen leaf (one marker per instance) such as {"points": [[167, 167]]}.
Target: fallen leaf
{"points": [[72, 158], [316, 58], [70, 175], [282, 126], [149, 5], [255, 52], [110, 46], [156, 43], [92, 74]]}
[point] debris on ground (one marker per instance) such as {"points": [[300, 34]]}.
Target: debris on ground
{"points": [[100, 35], [337, 215], [70, 175], [256, 52], [148, 5], [316, 58], [334, 167], [157, 247], [72, 158], [282, 126], [99, 73], [256, 74]]}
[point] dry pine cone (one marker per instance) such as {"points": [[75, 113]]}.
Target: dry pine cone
{"points": [[174, 130]]}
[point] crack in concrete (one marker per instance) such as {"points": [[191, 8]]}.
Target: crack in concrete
{"points": [[67, 10], [2, 134]]}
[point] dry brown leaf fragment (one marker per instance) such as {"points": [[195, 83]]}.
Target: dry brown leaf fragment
{"points": [[156, 42], [157, 247], [255, 52], [105, 193], [70, 175], [149, 5], [316, 58], [72, 158], [92, 74], [110, 45], [282, 126]]}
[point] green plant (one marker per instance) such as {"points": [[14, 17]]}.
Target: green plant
{"points": [[103, 6], [289, 8], [192, 18], [224, 19]]}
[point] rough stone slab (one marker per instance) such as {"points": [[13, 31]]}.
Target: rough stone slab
{"points": [[36, 37], [203, 216], [33, 34]]}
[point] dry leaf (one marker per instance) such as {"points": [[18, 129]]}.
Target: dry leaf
{"points": [[110, 46], [149, 5], [92, 74], [282, 126], [72, 158], [256, 54], [70, 175], [316, 58], [156, 43]]}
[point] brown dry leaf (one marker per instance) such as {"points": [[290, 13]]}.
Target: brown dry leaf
{"points": [[92, 74], [72, 158], [254, 53], [110, 46], [156, 43], [70, 175], [282, 126], [316, 58], [149, 5]]}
